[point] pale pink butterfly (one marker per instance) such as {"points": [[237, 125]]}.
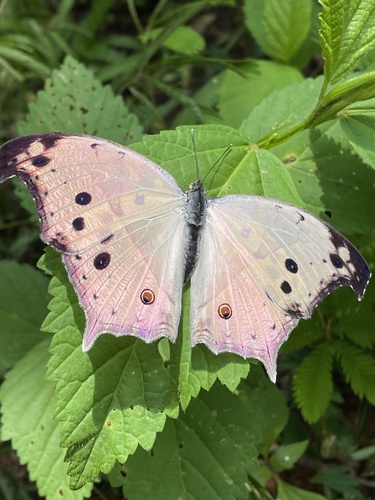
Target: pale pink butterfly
{"points": [[131, 237]]}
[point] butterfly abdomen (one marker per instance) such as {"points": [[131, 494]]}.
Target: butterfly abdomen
{"points": [[195, 217]]}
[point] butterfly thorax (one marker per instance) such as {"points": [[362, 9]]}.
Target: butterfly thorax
{"points": [[195, 217]]}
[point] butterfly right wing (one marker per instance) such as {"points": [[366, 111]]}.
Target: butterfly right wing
{"points": [[119, 221], [263, 265]]}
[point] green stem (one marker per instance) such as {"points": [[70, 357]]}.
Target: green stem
{"points": [[359, 88]]}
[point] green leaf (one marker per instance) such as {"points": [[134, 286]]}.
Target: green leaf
{"points": [[240, 92], [268, 175], [88, 107], [363, 453], [312, 383], [25, 60], [266, 407], [36, 438], [173, 150], [287, 455], [279, 26], [359, 369], [23, 307], [286, 491], [306, 334], [337, 478], [110, 401], [11, 488], [208, 452], [359, 128], [347, 35], [354, 319], [184, 40], [64, 308], [332, 182], [289, 106]]}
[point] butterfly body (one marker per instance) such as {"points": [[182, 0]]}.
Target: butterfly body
{"points": [[196, 212], [131, 237]]}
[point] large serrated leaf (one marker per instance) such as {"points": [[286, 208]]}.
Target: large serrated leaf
{"points": [[207, 453], [347, 33], [87, 108], [312, 383], [36, 438], [110, 401], [359, 369]]}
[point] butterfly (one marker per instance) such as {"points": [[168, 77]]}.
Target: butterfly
{"points": [[131, 237]]}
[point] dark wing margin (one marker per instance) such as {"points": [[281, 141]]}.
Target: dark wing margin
{"points": [[11, 150]]}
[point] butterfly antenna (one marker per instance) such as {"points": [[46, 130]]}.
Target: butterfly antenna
{"points": [[195, 152], [218, 163]]}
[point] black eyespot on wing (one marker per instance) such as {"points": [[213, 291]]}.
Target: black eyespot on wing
{"points": [[291, 266], [83, 198], [40, 161], [102, 261], [147, 296], [336, 261], [285, 287], [225, 311], [79, 223]]}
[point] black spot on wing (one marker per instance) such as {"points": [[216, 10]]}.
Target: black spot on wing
{"points": [[286, 288], [83, 198], [78, 223], [102, 260], [336, 261], [291, 265], [40, 161]]}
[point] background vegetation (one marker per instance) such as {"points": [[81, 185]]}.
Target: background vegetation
{"points": [[291, 85]]}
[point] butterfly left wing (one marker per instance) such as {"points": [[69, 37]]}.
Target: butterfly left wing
{"points": [[119, 221], [262, 266]]}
